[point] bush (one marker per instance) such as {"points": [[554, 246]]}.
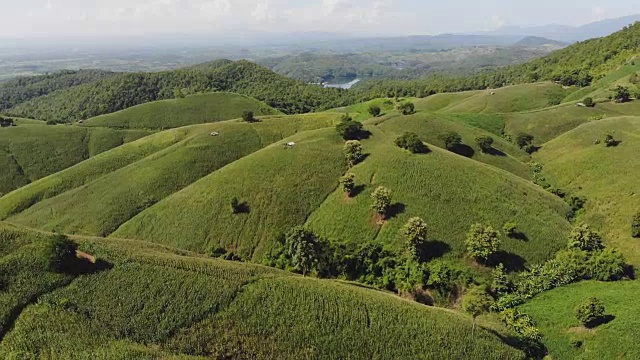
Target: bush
{"points": [[348, 183], [375, 110], [349, 129], [381, 200], [476, 302], [61, 253], [500, 283], [510, 229], [635, 226], [235, 205], [525, 142], [485, 143], [407, 108], [609, 141], [621, 94], [6, 122], [415, 236], [247, 116], [482, 242], [411, 142], [353, 152], [51, 122], [590, 312], [588, 102], [606, 265], [583, 238], [451, 140]]}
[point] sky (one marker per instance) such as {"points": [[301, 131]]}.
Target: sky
{"points": [[79, 18]]}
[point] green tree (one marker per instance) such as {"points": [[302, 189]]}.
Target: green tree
{"points": [[482, 242], [451, 140], [485, 143], [476, 302], [348, 182], [61, 253], [525, 142], [406, 108], [635, 226], [588, 102], [381, 200], [411, 142], [510, 229], [590, 312], [178, 93], [415, 236], [375, 110], [353, 152], [303, 249], [500, 282], [609, 141], [349, 129], [583, 238], [621, 94], [247, 116], [235, 205]]}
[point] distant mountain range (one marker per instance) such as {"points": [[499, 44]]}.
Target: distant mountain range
{"points": [[567, 34]]}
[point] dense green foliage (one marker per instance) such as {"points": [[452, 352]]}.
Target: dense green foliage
{"points": [[635, 226], [125, 90], [349, 129], [590, 312], [482, 242], [411, 142]]}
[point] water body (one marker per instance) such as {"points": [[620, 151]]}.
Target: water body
{"points": [[340, 84]]}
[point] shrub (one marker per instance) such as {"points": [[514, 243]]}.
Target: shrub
{"points": [[609, 141], [621, 94], [235, 205], [635, 226], [510, 229], [353, 152], [500, 283], [411, 142], [381, 200], [590, 312], [247, 116], [576, 203], [349, 129], [407, 108], [446, 277], [605, 265], [451, 140], [375, 110], [485, 143], [482, 242], [525, 142], [51, 122], [60, 253], [583, 238], [634, 79], [348, 183], [476, 302], [588, 102], [6, 122], [415, 236]]}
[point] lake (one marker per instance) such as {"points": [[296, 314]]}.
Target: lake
{"points": [[341, 84]]}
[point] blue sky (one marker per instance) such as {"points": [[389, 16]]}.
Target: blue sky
{"points": [[25, 18]]}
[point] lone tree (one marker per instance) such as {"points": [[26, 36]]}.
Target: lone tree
{"points": [[247, 116], [303, 249], [590, 312], [348, 182], [415, 235], [349, 129], [485, 143], [61, 253], [621, 94], [235, 205], [635, 226], [588, 102], [406, 108], [525, 142], [482, 242], [375, 110], [609, 141], [510, 229], [381, 200], [353, 152], [411, 142], [583, 238], [476, 302], [451, 140]]}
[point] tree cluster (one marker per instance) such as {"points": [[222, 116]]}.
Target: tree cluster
{"points": [[412, 142]]}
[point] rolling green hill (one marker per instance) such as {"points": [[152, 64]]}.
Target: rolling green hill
{"points": [[31, 151], [554, 312], [145, 301], [195, 109], [606, 177]]}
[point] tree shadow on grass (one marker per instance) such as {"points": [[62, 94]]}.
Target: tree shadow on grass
{"points": [[83, 266], [432, 250], [533, 349], [495, 152], [512, 262], [600, 321], [364, 134], [357, 190], [464, 150], [519, 236], [395, 210]]}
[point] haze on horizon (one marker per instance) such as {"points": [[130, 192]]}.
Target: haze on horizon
{"points": [[81, 18]]}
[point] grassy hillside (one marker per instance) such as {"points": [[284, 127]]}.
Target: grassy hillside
{"points": [[195, 109], [617, 339], [450, 193], [99, 208], [154, 302], [601, 88], [606, 177], [31, 151]]}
